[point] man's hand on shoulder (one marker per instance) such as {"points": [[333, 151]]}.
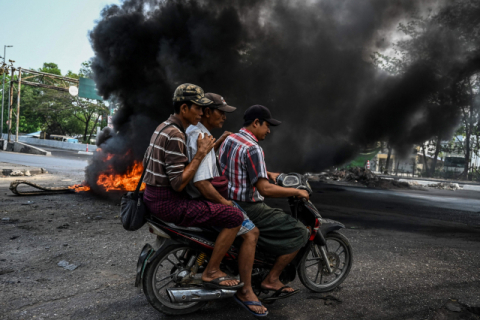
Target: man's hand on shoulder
{"points": [[205, 144], [221, 139]]}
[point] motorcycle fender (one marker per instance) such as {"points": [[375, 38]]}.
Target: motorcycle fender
{"points": [[326, 227], [147, 255], [147, 251], [165, 244]]}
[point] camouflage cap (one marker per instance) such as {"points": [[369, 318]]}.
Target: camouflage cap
{"points": [[191, 92]]}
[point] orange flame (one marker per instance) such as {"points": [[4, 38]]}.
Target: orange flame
{"points": [[110, 180], [128, 181], [80, 187]]}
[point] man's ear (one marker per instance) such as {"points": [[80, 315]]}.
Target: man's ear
{"points": [[183, 108], [256, 123], [207, 112]]}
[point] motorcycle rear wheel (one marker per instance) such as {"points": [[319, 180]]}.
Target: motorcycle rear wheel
{"points": [[313, 272], [159, 276]]}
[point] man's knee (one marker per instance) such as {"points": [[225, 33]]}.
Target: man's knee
{"points": [[252, 235]]}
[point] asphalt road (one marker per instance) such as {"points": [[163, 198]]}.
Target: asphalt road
{"points": [[414, 258], [61, 161]]}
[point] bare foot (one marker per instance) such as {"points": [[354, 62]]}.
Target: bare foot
{"points": [[248, 295], [274, 285], [208, 276]]}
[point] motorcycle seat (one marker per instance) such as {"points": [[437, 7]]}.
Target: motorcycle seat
{"points": [[174, 226]]}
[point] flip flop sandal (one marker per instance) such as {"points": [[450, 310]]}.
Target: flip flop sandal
{"points": [[245, 305], [279, 294], [215, 283]]}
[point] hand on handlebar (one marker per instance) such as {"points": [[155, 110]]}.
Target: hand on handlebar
{"points": [[303, 194]]}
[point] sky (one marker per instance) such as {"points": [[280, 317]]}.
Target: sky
{"points": [[49, 31]]}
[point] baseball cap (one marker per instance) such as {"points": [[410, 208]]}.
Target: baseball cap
{"points": [[260, 112], [191, 92], [218, 102]]}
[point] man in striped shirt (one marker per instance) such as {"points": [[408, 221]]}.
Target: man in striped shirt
{"points": [[168, 173], [242, 161]]}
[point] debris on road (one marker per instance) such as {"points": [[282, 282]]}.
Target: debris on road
{"points": [[16, 173], [358, 175], [328, 299], [67, 266], [454, 309], [371, 180], [445, 186], [43, 190]]}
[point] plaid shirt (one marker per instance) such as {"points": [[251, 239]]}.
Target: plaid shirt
{"points": [[242, 161]]}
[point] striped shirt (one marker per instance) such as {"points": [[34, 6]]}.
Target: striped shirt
{"points": [[242, 161], [169, 156]]}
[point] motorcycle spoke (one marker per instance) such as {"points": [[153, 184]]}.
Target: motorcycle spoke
{"points": [[321, 277], [164, 285], [316, 277], [316, 259], [174, 264], [175, 254], [313, 264], [169, 276]]}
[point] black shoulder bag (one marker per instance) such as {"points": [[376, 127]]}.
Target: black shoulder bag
{"points": [[132, 209]]}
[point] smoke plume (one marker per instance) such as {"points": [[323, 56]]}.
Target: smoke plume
{"points": [[307, 61]]}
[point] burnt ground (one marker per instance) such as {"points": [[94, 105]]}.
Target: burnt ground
{"points": [[416, 256]]}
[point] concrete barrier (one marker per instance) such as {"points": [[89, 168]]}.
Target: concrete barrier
{"points": [[25, 148], [3, 144], [54, 143]]}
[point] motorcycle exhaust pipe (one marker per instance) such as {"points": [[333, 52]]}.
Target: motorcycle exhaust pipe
{"points": [[198, 294]]}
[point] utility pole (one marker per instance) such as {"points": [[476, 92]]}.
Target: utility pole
{"points": [[3, 90], [18, 102], [10, 105]]}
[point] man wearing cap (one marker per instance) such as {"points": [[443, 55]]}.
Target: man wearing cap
{"points": [[214, 116], [242, 161], [168, 173]]}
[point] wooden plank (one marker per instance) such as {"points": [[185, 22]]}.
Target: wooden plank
{"points": [[41, 85]]}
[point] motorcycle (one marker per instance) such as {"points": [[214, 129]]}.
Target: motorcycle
{"points": [[170, 271]]}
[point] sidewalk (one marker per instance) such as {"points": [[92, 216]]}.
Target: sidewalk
{"points": [[18, 170]]}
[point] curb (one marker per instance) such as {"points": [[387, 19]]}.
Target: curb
{"points": [[85, 152]]}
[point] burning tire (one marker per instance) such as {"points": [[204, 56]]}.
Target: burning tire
{"points": [[162, 273], [313, 272]]}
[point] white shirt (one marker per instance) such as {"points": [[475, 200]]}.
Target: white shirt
{"points": [[208, 167]]}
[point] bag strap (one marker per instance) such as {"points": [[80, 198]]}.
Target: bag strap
{"points": [[137, 190]]}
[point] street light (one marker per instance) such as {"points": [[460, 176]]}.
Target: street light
{"points": [[3, 90]]}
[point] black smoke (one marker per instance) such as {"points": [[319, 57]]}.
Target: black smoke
{"points": [[308, 61]]}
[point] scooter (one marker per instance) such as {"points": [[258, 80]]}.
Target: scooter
{"points": [[170, 270]]}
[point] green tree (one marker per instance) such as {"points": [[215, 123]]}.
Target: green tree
{"points": [[50, 67]]}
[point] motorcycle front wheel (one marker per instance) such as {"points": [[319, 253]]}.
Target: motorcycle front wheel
{"points": [[313, 272], [160, 274]]}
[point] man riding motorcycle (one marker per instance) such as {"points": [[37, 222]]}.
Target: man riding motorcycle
{"points": [[242, 162], [169, 172]]}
